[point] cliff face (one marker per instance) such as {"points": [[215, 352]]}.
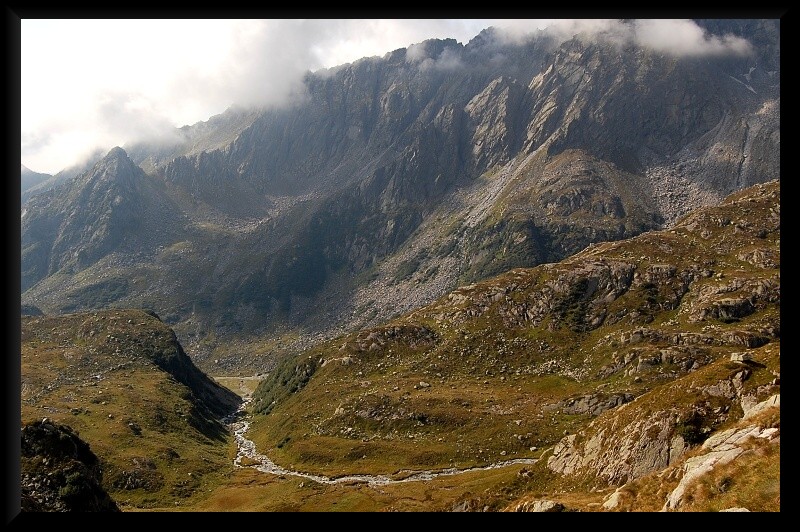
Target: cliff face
{"points": [[113, 207], [432, 166]]}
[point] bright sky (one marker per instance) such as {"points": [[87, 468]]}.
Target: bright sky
{"points": [[89, 84]]}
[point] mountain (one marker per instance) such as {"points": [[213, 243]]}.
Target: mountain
{"points": [[113, 208], [31, 179], [34, 182], [397, 179], [640, 375], [111, 401]]}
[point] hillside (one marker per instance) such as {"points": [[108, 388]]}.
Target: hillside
{"points": [[637, 375], [642, 374], [119, 381]]}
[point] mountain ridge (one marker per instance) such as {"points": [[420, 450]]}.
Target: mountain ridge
{"points": [[388, 166]]}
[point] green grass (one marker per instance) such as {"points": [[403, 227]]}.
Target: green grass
{"points": [[491, 372], [95, 372]]}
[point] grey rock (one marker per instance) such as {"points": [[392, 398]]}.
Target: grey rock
{"points": [[539, 506], [741, 357], [719, 449]]}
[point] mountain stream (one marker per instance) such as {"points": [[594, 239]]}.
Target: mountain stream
{"points": [[247, 450]]}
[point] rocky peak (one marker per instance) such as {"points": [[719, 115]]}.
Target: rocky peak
{"points": [[115, 166], [116, 153]]}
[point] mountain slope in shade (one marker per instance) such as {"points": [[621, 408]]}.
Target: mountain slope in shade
{"points": [[114, 207], [31, 179], [52, 181], [434, 166]]}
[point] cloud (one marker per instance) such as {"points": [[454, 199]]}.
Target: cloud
{"points": [[417, 52], [685, 38], [448, 59], [89, 83], [678, 37], [133, 117]]}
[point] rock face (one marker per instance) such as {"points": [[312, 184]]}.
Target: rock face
{"points": [[539, 506], [60, 473], [431, 167], [114, 207], [720, 449], [592, 404], [645, 447], [650, 442]]}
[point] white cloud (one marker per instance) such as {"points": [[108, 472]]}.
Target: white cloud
{"points": [[90, 83], [678, 38], [416, 53], [685, 38]]}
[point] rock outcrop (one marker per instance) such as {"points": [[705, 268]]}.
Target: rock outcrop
{"points": [[719, 449], [60, 473]]}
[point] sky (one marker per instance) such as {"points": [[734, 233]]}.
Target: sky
{"points": [[98, 83]]}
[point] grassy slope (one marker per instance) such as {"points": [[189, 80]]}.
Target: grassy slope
{"points": [[364, 410], [97, 373]]}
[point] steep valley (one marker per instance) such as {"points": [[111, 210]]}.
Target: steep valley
{"points": [[264, 231]]}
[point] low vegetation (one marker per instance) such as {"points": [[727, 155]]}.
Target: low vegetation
{"points": [[103, 375], [493, 371]]}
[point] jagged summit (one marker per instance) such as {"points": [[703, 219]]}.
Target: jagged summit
{"points": [[114, 165], [116, 152], [112, 206]]}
